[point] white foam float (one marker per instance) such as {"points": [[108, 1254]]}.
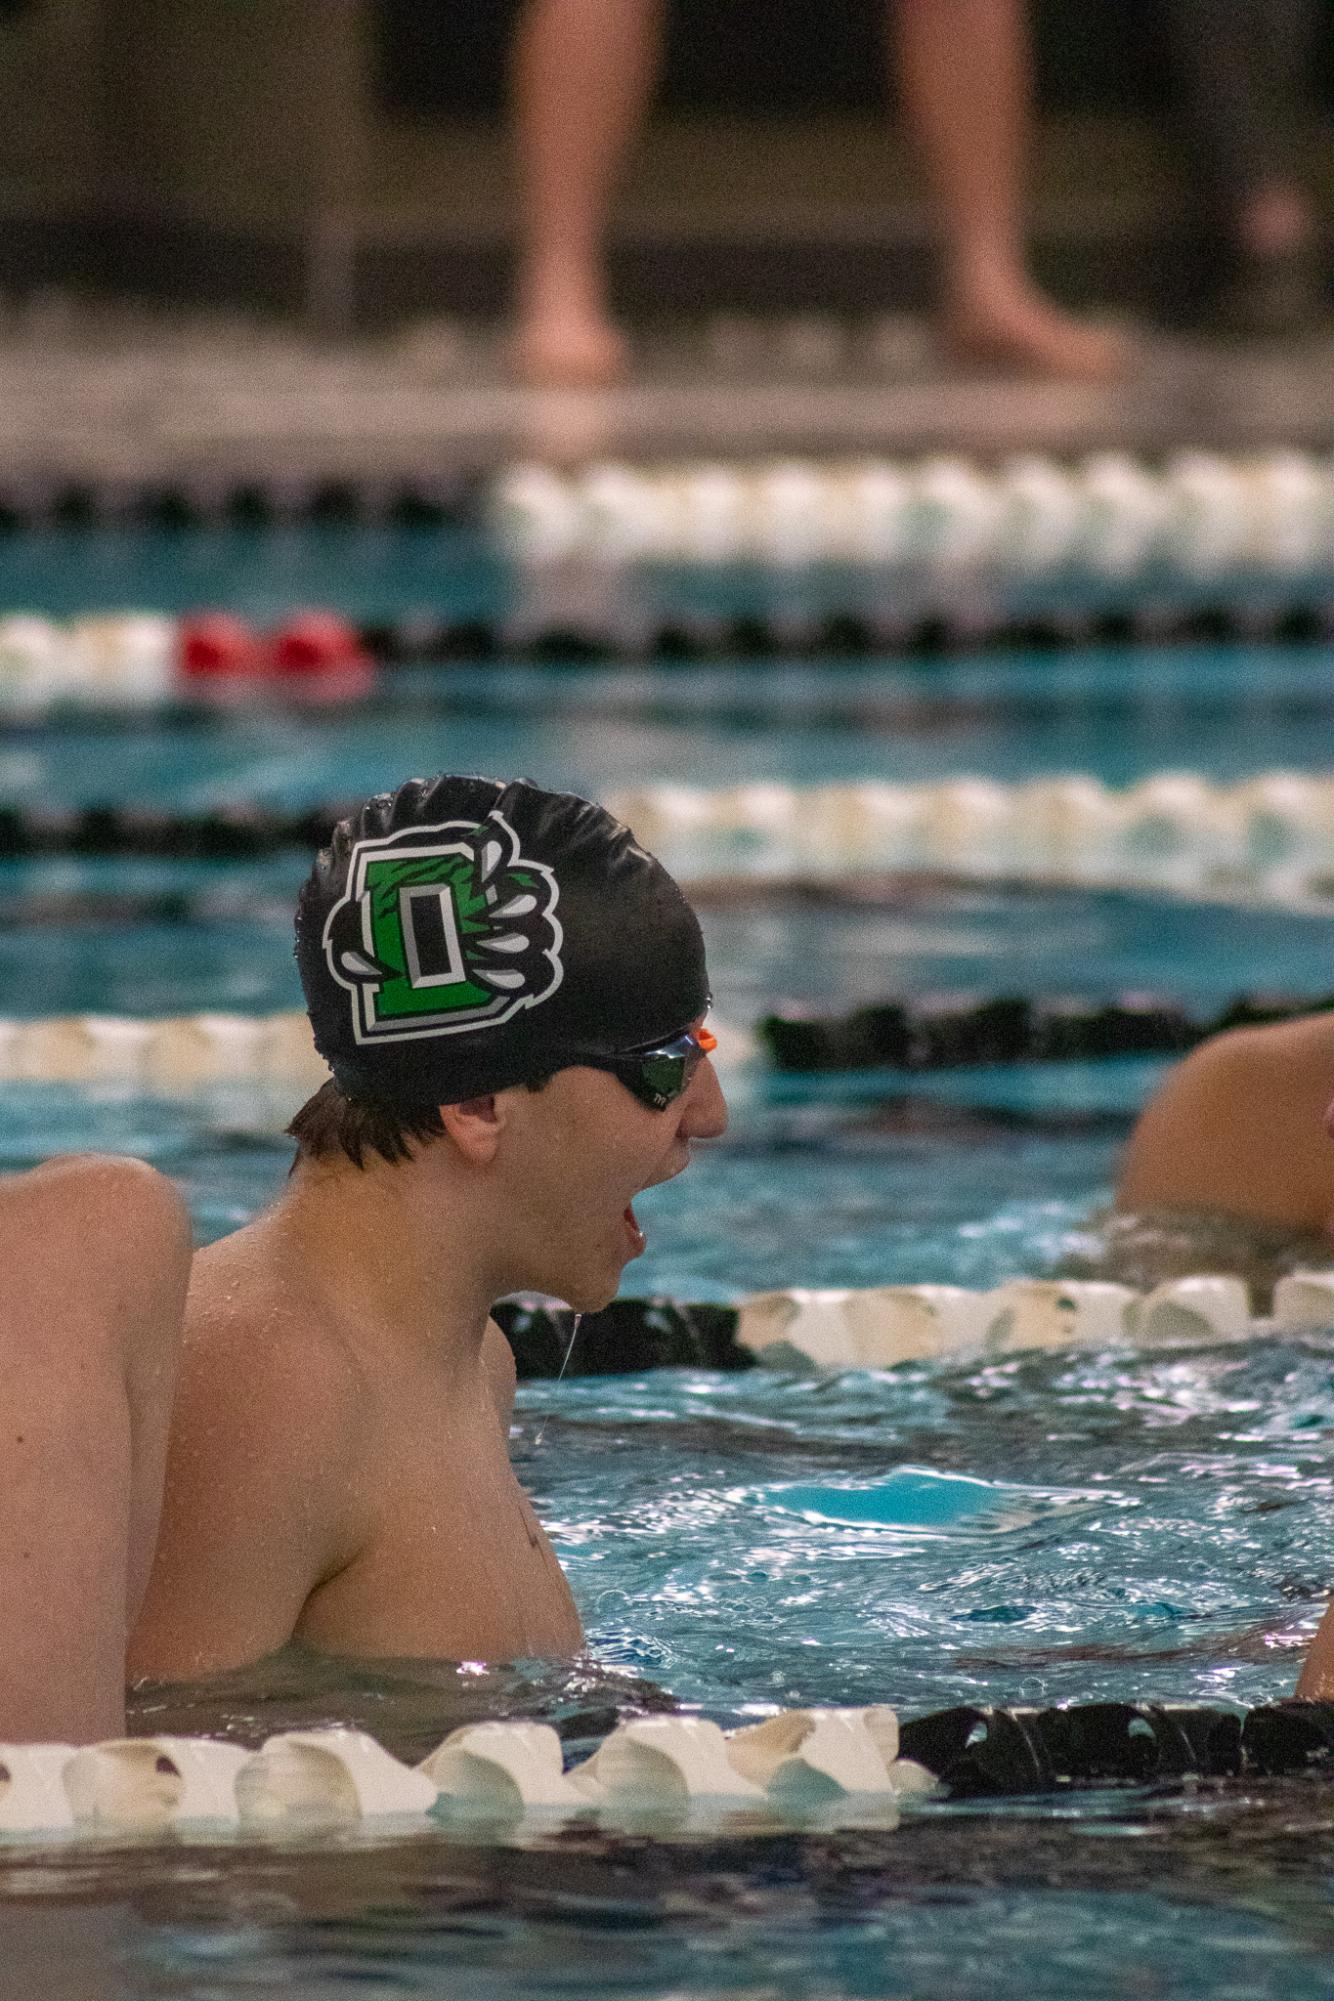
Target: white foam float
{"points": [[1039, 515], [882, 1326], [33, 1795], [871, 513], [969, 821], [705, 515], [1125, 514], [126, 661], [1185, 1310], [663, 1761], [954, 512], [536, 514], [1304, 1299], [622, 512], [1205, 516], [190, 1050], [1068, 827], [176, 1053], [80, 1048], [787, 518], [1050, 1313], [153, 1783], [800, 1325], [799, 1759], [1207, 531], [1174, 828], [810, 1756], [35, 663], [328, 1776], [503, 1769], [1289, 526]]}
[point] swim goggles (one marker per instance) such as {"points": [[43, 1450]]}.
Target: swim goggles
{"points": [[659, 1074]]}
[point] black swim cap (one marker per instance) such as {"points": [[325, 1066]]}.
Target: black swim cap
{"points": [[460, 935]]}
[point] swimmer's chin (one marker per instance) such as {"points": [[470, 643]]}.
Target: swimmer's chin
{"points": [[592, 1299]]}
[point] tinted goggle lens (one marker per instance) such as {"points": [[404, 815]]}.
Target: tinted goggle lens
{"points": [[659, 1076]]}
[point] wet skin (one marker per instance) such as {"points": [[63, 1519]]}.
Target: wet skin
{"points": [[339, 1468]]}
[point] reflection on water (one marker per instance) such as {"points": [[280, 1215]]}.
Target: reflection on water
{"points": [[1142, 1250], [1037, 1528], [952, 1905], [408, 1704], [1043, 1527]]}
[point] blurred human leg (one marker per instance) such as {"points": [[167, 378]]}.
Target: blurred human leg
{"points": [[963, 68], [582, 74], [96, 1256]]}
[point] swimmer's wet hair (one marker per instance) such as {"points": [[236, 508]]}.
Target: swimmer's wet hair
{"points": [[331, 1123]]}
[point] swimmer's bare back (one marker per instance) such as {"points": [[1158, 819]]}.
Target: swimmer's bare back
{"points": [[333, 1482], [96, 1253], [1238, 1129]]}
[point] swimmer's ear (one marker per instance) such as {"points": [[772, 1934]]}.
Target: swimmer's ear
{"points": [[475, 1127]]}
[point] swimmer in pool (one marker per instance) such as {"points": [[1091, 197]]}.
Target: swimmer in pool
{"points": [[1239, 1129], [510, 995], [96, 1255], [1242, 1128]]}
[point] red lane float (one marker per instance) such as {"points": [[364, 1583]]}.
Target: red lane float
{"points": [[325, 654], [216, 644]]}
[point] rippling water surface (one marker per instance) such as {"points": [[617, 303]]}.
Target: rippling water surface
{"points": [[1035, 1528], [1043, 1528]]}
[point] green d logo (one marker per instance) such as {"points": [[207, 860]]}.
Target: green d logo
{"points": [[441, 929]]}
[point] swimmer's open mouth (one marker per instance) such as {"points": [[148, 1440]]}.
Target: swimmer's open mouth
{"points": [[633, 1231]]}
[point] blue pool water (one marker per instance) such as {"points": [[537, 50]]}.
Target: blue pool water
{"points": [[1036, 1528], [1229, 712]]}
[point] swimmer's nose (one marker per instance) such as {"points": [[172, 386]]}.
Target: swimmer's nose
{"points": [[704, 1112]]}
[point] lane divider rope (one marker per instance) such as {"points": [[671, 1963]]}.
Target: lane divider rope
{"points": [[1271, 836], [617, 559], [1263, 516], [839, 1761], [952, 1031], [879, 1327]]}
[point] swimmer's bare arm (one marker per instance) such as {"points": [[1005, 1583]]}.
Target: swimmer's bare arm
{"points": [[1316, 1681], [262, 1497], [1236, 1129], [95, 1254]]}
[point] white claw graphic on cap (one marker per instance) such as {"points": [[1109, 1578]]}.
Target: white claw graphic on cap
{"points": [[491, 856], [508, 941], [518, 906], [504, 977]]}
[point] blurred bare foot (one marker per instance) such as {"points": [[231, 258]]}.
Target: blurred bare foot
{"points": [[1275, 221], [1276, 289], [568, 351], [1021, 331]]}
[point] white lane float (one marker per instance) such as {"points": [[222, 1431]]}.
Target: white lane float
{"points": [[152, 1783], [880, 1327], [1304, 1299], [328, 1776], [663, 1761], [1268, 836], [33, 1795], [811, 1756], [502, 1770], [874, 1328], [1181, 1311], [1205, 518], [1029, 1313], [310, 1780]]}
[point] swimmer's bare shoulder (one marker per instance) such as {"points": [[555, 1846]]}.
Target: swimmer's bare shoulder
{"points": [[1238, 1129], [264, 1491]]}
